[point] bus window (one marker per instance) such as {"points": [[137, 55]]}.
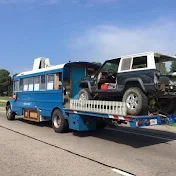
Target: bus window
{"points": [[16, 86], [50, 83], [57, 81], [36, 83], [31, 85], [21, 85], [89, 71], [43, 83], [25, 87]]}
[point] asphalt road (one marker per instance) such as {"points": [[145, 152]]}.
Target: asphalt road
{"points": [[35, 149]]}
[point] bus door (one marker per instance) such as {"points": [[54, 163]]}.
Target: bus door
{"points": [[76, 73]]}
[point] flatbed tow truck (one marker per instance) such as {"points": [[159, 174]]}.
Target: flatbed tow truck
{"points": [[38, 95]]}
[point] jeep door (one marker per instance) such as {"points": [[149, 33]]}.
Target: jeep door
{"points": [[106, 75]]}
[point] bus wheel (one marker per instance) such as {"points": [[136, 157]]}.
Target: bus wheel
{"points": [[59, 123], [9, 114]]}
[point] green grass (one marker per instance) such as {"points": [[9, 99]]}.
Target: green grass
{"points": [[2, 104], [174, 124], [4, 98]]}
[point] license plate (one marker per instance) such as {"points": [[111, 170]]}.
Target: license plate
{"points": [[153, 122]]}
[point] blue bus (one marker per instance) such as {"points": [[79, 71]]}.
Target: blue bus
{"points": [[43, 93]]}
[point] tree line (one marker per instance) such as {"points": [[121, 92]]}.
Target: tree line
{"points": [[6, 81], [163, 69]]}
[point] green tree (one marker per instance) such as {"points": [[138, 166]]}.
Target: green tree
{"points": [[98, 63], [173, 67], [10, 90], [5, 82], [163, 68]]}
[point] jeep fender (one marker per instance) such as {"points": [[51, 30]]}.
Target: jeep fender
{"points": [[86, 84], [138, 80]]}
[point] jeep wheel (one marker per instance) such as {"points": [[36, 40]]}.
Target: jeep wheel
{"points": [[136, 101], [166, 105], [84, 94]]}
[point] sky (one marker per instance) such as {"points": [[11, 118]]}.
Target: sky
{"points": [[83, 30]]}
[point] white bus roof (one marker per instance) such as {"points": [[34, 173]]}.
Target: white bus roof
{"points": [[42, 70]]}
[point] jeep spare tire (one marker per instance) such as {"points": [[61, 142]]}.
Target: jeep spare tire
{"points": [[84, 94], [136, 101], [166, 105]]}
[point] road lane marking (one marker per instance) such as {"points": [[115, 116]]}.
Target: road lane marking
{"points": [[141, 134], [121, 172], [66, 150]]}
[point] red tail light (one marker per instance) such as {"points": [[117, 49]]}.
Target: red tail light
{"points": [[86, 122], [156, 73], [156, 76]]}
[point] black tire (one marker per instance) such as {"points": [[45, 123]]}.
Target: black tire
{"points": [[166, 105], [9, 114], [86, 93], [59, 123], [101, 124], [142, 102]]}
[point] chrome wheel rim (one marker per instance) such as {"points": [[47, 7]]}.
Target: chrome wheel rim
{"points": [[82, 96], [57, 121], [132, 102], [8, 112]]}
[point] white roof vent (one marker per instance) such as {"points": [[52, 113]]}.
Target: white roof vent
{"points": [[40, 63]]}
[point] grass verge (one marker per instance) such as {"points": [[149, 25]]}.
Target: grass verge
{"points": [[4, 98], [2, 104], [174, 125]]}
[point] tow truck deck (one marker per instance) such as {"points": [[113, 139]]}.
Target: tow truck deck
{"points": [[82, 115]]}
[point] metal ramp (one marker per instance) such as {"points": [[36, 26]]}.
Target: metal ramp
{"points": [[102, 107]]}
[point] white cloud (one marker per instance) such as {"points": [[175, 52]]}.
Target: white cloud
{"points": [[104, 42]]}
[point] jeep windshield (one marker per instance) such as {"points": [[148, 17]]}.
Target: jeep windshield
{"points": [[111, 65]]}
